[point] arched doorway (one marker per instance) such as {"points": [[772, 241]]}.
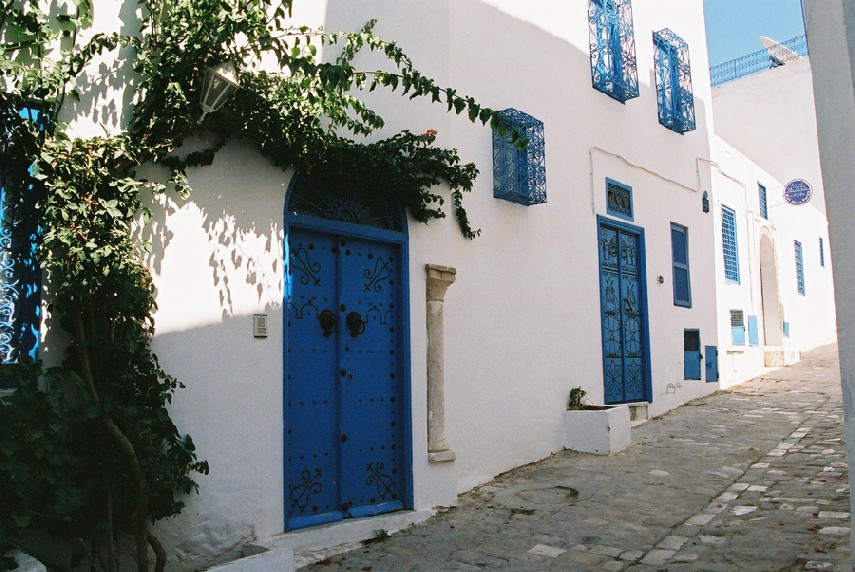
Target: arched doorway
{"points": [[773, 321], [346, 356]]}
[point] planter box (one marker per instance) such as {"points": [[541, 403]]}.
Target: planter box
{"points": [[597, 429]]}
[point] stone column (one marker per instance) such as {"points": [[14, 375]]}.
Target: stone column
{"points": [[439, 278]]}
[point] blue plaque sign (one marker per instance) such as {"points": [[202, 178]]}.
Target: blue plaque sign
{"points": [[797, 192]]}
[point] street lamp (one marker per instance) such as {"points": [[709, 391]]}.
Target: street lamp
{"points": [[220, 82]]}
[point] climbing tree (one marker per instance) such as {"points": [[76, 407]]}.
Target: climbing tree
{"points": [[89, 455]]}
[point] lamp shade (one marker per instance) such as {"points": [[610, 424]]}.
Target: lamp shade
{"points": [[220, 82]]}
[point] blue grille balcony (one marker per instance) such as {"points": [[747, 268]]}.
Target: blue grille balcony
{"points": [[755, 62], [612, 42], [673, 82], [519, 175]]}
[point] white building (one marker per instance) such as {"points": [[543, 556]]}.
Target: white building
{"points": [[350, 405]]}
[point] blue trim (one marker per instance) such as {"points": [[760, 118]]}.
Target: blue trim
{"points": [[642, 280], [619, 200], [368, 232]]}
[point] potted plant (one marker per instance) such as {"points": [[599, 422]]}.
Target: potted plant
{"points": [[600, 429]]}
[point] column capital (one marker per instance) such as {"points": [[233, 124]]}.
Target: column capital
{"points": [[439, 278]]}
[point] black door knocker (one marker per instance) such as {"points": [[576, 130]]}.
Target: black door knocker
{"points": [[354, 324], [327, 321]]}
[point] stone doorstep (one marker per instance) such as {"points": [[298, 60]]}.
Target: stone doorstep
{"points": [[289, 551]]}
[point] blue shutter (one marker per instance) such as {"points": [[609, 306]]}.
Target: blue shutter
{"points": [[761, 193], [800, 268], [737, 327], [753, 331], [729, 248], [786, 329], [821, 252], [692, 354], [680, 263]]}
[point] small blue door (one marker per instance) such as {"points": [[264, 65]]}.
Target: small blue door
{"points": [[623, 313], [692, 354], [344, 386], [711, 363]]}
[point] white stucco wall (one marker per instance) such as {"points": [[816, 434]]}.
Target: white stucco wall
{"points": [[831, 36], [811, 316], [522, 321], [770, 117]]}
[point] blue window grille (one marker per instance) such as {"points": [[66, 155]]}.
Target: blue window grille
{"points": [[821, 253], [680, 264], [519, 175], [729, 245], [737, 327], [20, 277], [673, 81], [800, 268], [761, 194], [613, 65], [618, 199]]}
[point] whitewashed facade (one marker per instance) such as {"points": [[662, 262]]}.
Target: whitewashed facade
{"points": [[524, 321]]}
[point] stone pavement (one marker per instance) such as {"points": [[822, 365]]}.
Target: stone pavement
{"points": [[750, 478]]}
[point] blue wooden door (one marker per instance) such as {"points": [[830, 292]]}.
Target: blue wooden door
{"points": [[344, 378], [623, 314], [711, 361]]}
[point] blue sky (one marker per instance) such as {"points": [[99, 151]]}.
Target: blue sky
{"points": [[734, 27]]}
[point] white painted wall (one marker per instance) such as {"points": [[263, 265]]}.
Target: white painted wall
{"points": [[810, 317], [831, 35]]}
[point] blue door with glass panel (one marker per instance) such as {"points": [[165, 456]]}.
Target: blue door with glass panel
{"points": [[623, 308], [344, 383]]}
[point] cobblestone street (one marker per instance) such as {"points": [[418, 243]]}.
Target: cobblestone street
{"points": [[750, 478]]}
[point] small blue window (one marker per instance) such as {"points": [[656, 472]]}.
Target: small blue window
{"points": [[761, 194], [800, 268], [673, 81], [618, 199], [519, 175], [680, 264], [786, 329], [612, 41], [737, 327], [821, 253], [729, 245]]}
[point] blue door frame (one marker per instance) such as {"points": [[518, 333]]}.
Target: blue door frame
{"points": [[358, 409], [623, 312]]}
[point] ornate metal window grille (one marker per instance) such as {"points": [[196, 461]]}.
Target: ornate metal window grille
{"points": [[821, 252], [800, 269], [764, 208], [680, 265], [755, 62], [729, 245], [20, 276], [673, 81], [618, 199], [612, 42], [737, 327], [519, 175]]}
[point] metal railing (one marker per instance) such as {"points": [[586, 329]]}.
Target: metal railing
{"points": [[756, 62]]}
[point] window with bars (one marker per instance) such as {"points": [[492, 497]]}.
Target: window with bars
{"points": [[519, 175], [800, 268], [737, 327], [729, 247], [618, 199], [821, 253], [761, 195], [20, 277], [673, 73], [612, 42], [680, 265]]}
